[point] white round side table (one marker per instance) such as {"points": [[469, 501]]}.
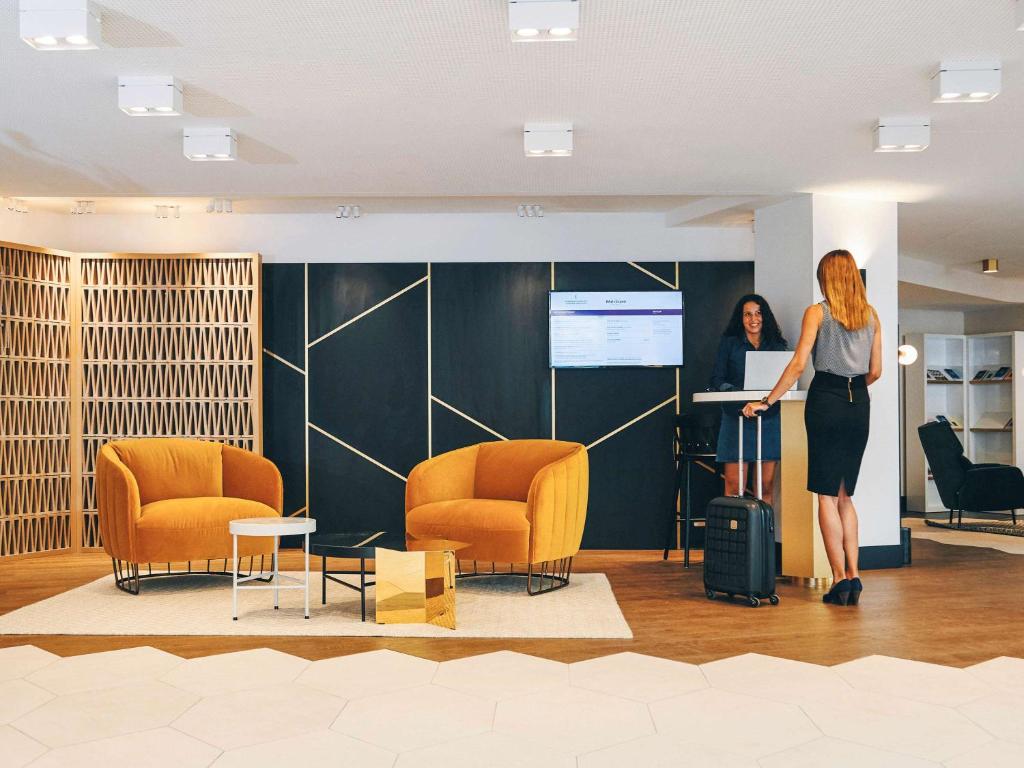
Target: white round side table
{"points": [[276, 527]]}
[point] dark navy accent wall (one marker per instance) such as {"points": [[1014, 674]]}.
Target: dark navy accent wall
{"points": [[368, 396]]}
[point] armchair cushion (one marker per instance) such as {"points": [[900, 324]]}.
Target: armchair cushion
{"points": [[505, 470], [992, 488], [172, 468], [196, 529], [502, 524]]}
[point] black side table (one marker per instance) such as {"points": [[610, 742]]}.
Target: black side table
{"points": [[362, 546]]}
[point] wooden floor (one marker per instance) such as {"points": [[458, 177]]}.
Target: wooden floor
{"points": [[955, 606]]}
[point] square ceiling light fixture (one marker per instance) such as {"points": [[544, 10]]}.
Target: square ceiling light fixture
{"points": [[547, 139], [206, 143], [533, 21], [967, 81], [149, 96], [59, 25], [903, 134]]}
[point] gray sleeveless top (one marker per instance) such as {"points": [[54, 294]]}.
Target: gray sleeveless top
{"points": [[842, 352]]}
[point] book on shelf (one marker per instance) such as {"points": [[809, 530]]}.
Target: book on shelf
{"points": [[951, 420], [954, 374], [1002, 373], [1009, 423], [937, 374], [981, 375], [994, 420]]}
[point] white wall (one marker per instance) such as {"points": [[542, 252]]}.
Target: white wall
{"points": [[930, 321], [39, 228], [791, 239], [394, 237], [994, 320]]}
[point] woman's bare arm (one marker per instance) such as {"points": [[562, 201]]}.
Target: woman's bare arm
{"points": [[875, 367], [808, 333]]}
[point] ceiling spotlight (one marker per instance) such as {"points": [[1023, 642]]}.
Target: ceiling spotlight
{"points": [[907, 354], [990, 266], [348, 212], [149, 95], [219, 205], [16, 205], [903, 134], [167, 211], [967, 82], [82, 207], [210, 143], [547, 139], [530, 211], [59, 25], [536, 20]]}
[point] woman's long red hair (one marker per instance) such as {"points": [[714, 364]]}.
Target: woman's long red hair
{"points": [[843, 288]]}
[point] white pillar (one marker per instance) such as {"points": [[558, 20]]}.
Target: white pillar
{"points": [[790, 239]]}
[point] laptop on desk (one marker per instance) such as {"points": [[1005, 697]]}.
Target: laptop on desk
{"points": [[763, 369]]}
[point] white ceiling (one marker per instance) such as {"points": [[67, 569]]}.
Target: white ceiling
{"points": [[426, 98], [912, 296]]}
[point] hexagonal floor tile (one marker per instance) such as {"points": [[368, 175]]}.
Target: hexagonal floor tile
{"points": [[158, 748], [999, 714], [418, 717], [917, 680], [101, 714], [495, 750], [749, 726], [664, 752], [17, 748], [239, 671], [320, 748], [109, 669], [501, 674], [242, 718], [995, 754], [635, 676], [1004, 673], [897, 725], [772, 678], [18, 697], [836, 753], [572, 720], [365, 674], [20, 660]]}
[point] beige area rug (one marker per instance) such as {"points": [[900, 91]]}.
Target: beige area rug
{"points": [[1013, 545], [486, 606]]}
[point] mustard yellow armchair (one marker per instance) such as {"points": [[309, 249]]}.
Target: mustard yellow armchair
{"points": [[513, 501], [169, 500]]}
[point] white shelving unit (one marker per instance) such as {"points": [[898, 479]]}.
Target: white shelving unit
{"points": [[983, 411]]}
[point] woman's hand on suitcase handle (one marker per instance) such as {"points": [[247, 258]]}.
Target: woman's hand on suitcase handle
{"points": [[750, 410]]}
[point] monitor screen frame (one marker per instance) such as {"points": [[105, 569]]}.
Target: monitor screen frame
{"points": [[682, 321]]}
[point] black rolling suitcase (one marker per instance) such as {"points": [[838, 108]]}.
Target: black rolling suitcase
{"points": [[739, 543]]}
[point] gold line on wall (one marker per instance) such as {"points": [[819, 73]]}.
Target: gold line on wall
{"points": [[356, 451], [430, 367], [650, 274], [364, 313], [631, 422], [553, 412], [284, 362], [305, 365], [468, 418]]}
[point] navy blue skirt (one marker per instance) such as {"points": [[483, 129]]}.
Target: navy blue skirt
{"points": [[729, 436]]}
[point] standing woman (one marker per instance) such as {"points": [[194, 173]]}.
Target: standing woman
{"points": [[845, 337], [751, 328]]}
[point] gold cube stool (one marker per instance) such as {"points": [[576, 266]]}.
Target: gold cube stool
{"points": [[417, 587]]}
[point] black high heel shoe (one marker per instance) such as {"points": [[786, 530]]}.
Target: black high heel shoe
{"points": [[839, 594], [856, 587]]}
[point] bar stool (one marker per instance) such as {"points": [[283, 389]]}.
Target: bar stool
{"points": [[694, 440]]}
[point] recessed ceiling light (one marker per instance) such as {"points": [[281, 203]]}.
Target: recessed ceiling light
{"points": [[547, 139], [967, 81], [210, 144], [537, 20], [903, 134], [149, 95], [59, 25]]}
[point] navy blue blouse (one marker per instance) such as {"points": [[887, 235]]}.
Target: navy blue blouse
{"points": [[731, 363]]}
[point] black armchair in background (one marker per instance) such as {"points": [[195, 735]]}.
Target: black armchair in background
{"points": [[964, 486]]}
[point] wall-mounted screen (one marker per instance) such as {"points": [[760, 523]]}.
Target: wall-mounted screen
{"points": [[615, 328]]}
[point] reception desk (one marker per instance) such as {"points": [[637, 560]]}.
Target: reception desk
{"points": [[803, 552]]}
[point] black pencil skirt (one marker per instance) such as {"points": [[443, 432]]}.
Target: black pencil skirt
{"points": [[837, 417]]}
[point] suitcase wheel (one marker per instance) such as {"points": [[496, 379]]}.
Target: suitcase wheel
{"points": [[754, 602], [773, 599], [710, 594]]}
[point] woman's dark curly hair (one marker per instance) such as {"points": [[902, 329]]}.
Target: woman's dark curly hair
{"points": [[770, 332]]}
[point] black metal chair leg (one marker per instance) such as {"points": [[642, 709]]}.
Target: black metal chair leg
{"points": [[688, 519], [674, 517]]}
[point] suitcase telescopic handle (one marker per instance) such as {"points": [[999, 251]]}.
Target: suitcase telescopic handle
{"points": [[759, 463]]}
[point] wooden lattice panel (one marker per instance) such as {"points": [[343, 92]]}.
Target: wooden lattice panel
{"points": [[170, 347], [35, 424]]}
